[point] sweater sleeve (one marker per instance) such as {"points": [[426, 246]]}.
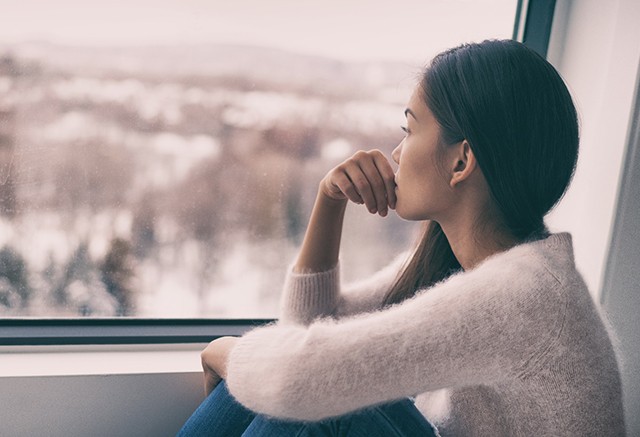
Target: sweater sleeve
{"points": [[475, 327], [368, 294], [309, 296]]}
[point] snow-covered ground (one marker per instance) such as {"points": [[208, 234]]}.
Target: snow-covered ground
{"points": [[93, 151]]}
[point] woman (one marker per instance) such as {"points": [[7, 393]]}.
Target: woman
{"points": [[488, 325]]}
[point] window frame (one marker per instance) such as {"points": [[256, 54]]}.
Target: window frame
{"points": [[532, 26], [114, 330]]}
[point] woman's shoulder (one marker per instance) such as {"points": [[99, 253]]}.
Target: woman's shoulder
{"points": [[532, 277], [546, 259]]}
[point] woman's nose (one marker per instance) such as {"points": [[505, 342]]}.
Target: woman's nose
{"points": [[396, 153]]}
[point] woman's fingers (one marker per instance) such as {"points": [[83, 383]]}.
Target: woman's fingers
{"points": [[388, 178], [376, 185], [366, 177], [360, 180], [344, 187], [211, 379]]}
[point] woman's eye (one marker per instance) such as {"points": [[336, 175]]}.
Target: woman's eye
{"points": [[405, 129]]}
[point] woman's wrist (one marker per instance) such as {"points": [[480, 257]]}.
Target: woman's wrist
{"points": [[326, 200], [321, 244]]}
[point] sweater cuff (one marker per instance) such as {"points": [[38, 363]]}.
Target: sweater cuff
{"points": [[250, 379], [308, 296], [237, 362]]}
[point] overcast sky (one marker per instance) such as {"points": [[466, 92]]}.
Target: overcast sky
{"points": [[405, 30]]}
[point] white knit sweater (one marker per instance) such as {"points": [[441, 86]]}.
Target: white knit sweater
{"points": [[513, 347]]}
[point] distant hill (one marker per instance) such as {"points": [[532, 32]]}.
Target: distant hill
{"points": [[259, 63]]}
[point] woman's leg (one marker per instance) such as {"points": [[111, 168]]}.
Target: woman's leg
{"points": [[399, 419], [221, 415], [218, 415]]}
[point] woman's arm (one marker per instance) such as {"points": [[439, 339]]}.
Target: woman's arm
{"points": [[368, 294], [312, 287], [365, 178], [321, 244], [309, 296], [472, 329]]}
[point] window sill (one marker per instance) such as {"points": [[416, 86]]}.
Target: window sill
{"points": [[26, 361], [105, 331]]}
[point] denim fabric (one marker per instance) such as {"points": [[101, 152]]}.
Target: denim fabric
{"points": [[218, 415], [221, 415]]}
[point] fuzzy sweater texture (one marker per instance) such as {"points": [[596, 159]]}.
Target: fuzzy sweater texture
{"points": [[515, 346]]}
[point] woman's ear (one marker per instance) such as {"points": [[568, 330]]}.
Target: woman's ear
{"points": [[463, 165]]}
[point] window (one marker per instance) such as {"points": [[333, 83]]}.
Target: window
{"points": [[160, 160]]}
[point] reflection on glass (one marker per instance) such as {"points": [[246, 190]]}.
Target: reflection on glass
{"points": [[175, 179]]}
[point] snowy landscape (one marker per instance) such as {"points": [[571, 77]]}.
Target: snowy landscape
{"points": [[176, 181]]}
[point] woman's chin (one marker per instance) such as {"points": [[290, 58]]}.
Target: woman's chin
{"points": [[400, 211], [408, 214]]}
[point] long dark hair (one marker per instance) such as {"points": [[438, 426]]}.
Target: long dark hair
{"points": [[518, 117]]}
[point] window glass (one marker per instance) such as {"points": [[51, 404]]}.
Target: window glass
{"points": [[160, 158]]}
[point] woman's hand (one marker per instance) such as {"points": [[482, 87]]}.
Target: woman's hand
{"points": [[366, 177], [214, 361]]}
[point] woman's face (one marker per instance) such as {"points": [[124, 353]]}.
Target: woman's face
{"points": [[423, 189]]}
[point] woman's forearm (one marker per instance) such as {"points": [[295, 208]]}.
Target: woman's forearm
{"points": [[321, 244], [365, 178]]}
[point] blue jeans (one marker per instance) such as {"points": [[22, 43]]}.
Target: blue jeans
{"points": [[221, 415]]}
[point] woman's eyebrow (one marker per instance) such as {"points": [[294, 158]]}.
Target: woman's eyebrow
{"points": [[409, 111]]}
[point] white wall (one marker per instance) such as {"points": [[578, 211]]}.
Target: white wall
{"points": [[153, 405], [595, 45], [95, 391]]}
